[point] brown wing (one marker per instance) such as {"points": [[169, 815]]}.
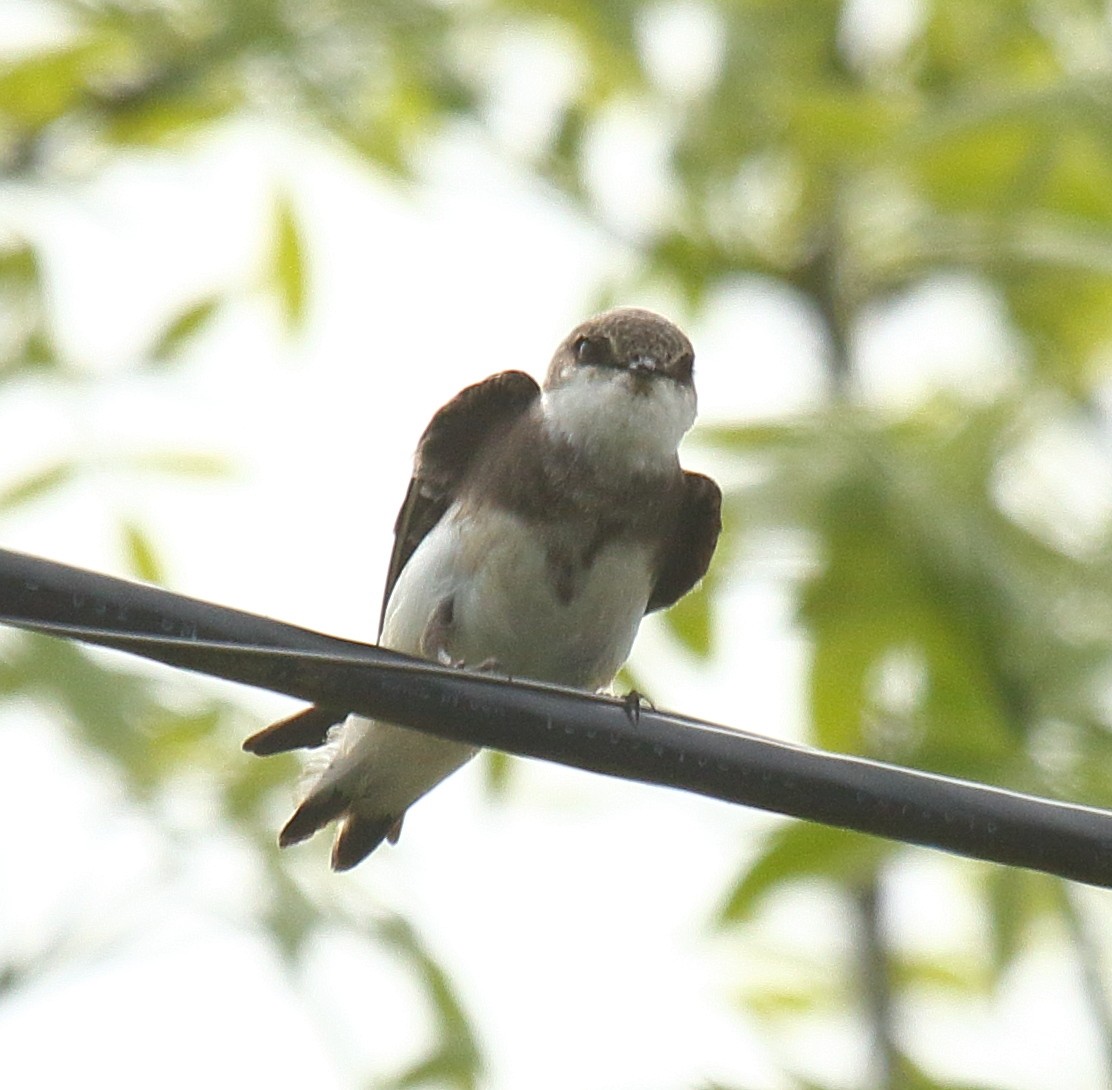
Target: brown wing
{"points": [[454, 437], [450, 443], [687, 555]]}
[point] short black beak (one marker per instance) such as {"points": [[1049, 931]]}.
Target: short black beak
{"points": [[643, 365]]}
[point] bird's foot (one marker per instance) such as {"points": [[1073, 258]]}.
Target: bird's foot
{"points": [[633, 702]]}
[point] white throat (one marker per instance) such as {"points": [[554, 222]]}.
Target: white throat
{"points": [[601, 413]]}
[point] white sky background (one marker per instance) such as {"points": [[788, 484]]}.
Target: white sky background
{"points": [[574, 919]]}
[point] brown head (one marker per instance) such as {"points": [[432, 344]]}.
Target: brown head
{"points": [[629, 339]]}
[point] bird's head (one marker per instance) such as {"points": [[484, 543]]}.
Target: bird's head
{"points": [[621, 383], [629, 341]]}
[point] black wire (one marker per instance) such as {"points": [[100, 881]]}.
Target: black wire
{"points": [[599, 734]]}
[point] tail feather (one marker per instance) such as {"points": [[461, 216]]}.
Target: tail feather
{"points": [[314, 813], [359, 836], [304, 730]]}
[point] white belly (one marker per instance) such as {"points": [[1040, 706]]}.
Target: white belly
{"points": [[506, 607]]}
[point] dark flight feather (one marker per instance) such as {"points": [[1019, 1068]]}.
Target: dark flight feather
{"points": [[689, 551], [306, 729], [314, 813], [357, 837]]}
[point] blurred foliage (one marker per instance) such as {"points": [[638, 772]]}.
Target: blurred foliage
{"points": [[950, 627]]}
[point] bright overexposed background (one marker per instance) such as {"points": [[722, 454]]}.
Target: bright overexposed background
{"points": [[574, 916]]}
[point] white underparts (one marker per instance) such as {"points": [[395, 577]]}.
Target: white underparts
{"points": [[601, 411]]}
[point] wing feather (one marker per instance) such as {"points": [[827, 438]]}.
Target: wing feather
{"points": [[691, 546]]}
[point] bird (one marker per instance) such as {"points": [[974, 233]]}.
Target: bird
{"points": [[541, 523]]}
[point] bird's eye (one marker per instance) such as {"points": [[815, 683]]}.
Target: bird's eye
{"points": [[593, 351]]}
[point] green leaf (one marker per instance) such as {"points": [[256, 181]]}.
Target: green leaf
{"points": [[176, 740], [800, 850], [288, 264], [36, 485], [954, 973], [248, 791], [180, 463], [1015, 901], [165, 116], [903, 576], [455, 1060], [142, 556], [497, 768], [106, 710], [290, 917], [183, 329], [40, 88], [690, 619], [805, 989], [20, 265]]}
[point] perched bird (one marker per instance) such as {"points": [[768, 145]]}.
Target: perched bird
{"points": [[541, 524]]}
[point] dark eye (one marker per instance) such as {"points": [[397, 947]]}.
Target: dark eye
{"points": [[593, 351]]}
